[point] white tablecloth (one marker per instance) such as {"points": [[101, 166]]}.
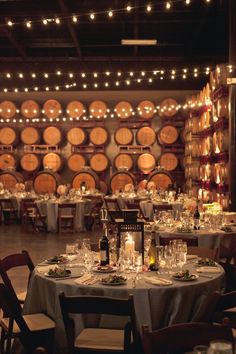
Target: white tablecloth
{"points": [[155, 306]]}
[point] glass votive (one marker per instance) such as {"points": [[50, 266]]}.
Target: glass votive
{"points": [[71, 248], [220, 347]]}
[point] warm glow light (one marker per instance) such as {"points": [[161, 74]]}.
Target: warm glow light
{"points": [[10, 23], [95, 74], [46, 75], [187, 2], [92, 16], [74, 19], [57, 20], [28, 24], [8, 75], [110, 13], [168, 5], [108, 73], [58, 72], [83, 75], [149, 8], [71, 75], [33, 75], [5, 90], [128, 8], [21, 75], [45, 22]]}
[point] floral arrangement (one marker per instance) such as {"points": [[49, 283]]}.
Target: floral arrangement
{"points": [[151, 186], [190, 204], [62, 189], [142, 184], [20, 187], [129, 187]]}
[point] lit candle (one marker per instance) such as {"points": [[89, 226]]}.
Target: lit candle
{"points": [[129, 247]]}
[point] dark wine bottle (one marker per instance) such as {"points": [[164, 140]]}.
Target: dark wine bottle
{"points": [[104, 248], [196, 217], [152, 254]]}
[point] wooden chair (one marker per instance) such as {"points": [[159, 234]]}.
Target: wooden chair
{"points": [[33, 330], [66, 217], [93, 217], [203, 252], [230, 276], [191, 241], [32, 218], [99, 339], [136, 205], [226, 308], [181, 338], [113, 209], [13, 261], [228, 254], [9, 212]]}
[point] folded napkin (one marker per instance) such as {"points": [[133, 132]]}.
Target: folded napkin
{"points": [[158, 281], [45, 269], [191, 256], [84, 279], [208, 270]]}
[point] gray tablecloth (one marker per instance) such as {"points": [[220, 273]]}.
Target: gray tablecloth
{"points": [[155, 306], [207, 239], [50, 209]]}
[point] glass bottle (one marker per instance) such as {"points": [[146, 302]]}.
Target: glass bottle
{"points": [[153, 264], [196, 217], [104, 247]]}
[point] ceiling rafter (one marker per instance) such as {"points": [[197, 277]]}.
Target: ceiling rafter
{"points": [[21, 50], [71, 29]]}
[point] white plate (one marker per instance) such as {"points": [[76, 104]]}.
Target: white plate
{"points": [[104, 269], [193, 277], [57, 276], [114, 284]]}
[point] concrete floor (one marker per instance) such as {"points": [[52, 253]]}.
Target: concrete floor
{"points": [[39, 245]]}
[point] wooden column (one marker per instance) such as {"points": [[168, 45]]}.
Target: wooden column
{"points": [[232, 106]]}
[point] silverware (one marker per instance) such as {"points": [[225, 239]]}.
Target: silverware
{"points": [[68, 278]]}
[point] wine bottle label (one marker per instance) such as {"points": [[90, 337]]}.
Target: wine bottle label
{"points": [[103, 255]]}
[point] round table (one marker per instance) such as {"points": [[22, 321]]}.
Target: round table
{"points": [[156, 306], [50, 209]]}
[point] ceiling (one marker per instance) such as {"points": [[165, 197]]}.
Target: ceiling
{"points": [[193, 36]]}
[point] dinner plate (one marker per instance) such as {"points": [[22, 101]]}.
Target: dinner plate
{"points": [[114, 284], [193, 277], [104, 269], [65, 275], [56, 260]]}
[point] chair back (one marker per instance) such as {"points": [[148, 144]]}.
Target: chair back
{"points": [[113, 208], [136, 205], [191, 241], [181, 338], [96, 305], [203, 252], [13, 261], [62, 207]]}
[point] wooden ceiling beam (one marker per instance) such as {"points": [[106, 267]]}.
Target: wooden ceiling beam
{"points": [[70, 27], [15, 44]]}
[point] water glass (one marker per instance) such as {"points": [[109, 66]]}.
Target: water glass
{"points": [[71, 248], [86, 243], [160, 255], [220, 347]]}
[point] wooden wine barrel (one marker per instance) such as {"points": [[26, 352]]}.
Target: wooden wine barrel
{"points": [[9, 179], [146, 162], [7, 109], [30, 136], [123, 162], [76, 136], [123, 110], [8, 136], [146, 136], [76, 162], [89, 177], [168, 108], [123, 136], [52, 135], [168, 161], [167, 134], [52, 109], [120, 179], [99, 162], [103, 187], [30, 162], [146, 109], [195, 148], [53, 161], [98, 109], [7, 161], [30, 109], [220, 141], [98, 136], [75, 109], [162, 179], [206, 146], [46, 182], [222, 107]]}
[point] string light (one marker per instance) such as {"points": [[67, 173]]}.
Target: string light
{"points": [[45, 22], [92, 16], [28, 24], [128, 8], [74, 19], [187, 2], [168, 5], [9, 23], [46, 76], [110, 13], [149, 8], [57, 20]]}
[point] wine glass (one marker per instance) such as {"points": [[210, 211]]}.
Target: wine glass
{"points": [[220, 347]]}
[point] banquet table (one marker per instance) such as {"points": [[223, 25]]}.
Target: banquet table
{"points": [[50, 209], [157, 306], [206, 238]]}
